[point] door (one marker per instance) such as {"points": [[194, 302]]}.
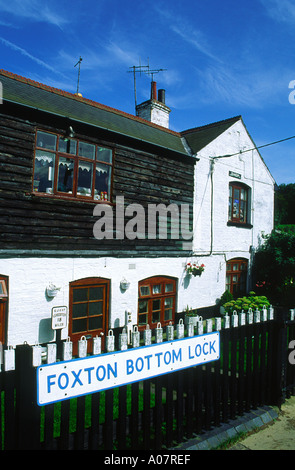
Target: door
{"points": [[3, 307], [88, 310]]}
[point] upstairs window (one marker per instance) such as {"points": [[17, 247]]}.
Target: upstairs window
{"points": [[238, 202], [72, 168]]}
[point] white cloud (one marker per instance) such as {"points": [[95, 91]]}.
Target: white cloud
{"points": [[191, 35], [33, 10], [280, 10], [255, 89], [25, 53]]}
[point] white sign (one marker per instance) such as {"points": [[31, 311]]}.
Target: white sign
{"points": [[59, 318], [68, 379]]}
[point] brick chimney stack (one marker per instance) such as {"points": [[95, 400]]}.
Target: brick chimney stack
{"points": [[155, 109]]}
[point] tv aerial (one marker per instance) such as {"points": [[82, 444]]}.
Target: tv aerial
{"points": [[142, 69], [79, 69]]}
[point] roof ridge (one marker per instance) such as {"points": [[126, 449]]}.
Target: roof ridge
{"points": [[81, 99], [213, 124]]}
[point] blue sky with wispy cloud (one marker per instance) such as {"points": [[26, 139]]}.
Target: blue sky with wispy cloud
{"points": [[221, 59]]}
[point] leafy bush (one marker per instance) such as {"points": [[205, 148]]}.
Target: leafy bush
{"points": [[274, 268], [226, 297], [244, 303]]}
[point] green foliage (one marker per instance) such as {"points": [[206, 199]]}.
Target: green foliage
{"points": [[244, 303], [274, 268], [284, 204], [286, 228], [226, 297]]}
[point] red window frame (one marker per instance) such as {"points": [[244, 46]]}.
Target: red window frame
{"points": [[236, 276], [93, 321], [238, 203], [73, 161], [156, 301]]}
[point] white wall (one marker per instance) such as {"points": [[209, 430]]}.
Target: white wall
{"points": [[233, 241], [30, 308]]}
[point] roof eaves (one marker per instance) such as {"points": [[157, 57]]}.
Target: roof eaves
{"points": [[87, 101], [212, 125]]}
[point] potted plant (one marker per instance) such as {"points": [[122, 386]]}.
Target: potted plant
{"points": [[194, 269]]}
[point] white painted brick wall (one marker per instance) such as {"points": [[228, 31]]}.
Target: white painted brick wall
{"points": [[30, 311]]}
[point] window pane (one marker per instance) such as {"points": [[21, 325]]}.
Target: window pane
{"points": [[44, 172], [230, 208], [86, 150], [79, 325], [80, 294], [85, 176], [157, 289], [102, 181], [236, 209], [168, 314], [156, 316], [46, 140], [96, 293], [65, 175], [156, 304], [95, 308], [169, 287], [143, 306], [145, 290], [168, 302], [67, 146], [3, 291], [142, 319], [95, 323], [80, 310], [243, 211], [236, 194], [104, 155]]}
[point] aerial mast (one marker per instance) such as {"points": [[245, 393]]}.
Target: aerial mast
{"points": [[137, 69], [79, 69], [142, 69]]}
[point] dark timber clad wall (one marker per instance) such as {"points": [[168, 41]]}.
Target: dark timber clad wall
{"points": [[31, 222]]}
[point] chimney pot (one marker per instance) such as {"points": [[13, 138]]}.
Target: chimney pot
{"points": [[153, 90], [161, 96]]}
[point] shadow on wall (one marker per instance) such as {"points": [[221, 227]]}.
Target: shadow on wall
{"points": [[46, 333]]}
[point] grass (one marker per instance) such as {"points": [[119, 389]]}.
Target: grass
{"points": [[88, 401]]}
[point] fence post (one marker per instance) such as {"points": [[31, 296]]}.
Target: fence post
{"points": [[27, 410], [280, 356]]}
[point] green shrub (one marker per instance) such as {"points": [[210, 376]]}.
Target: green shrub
{"points": [[226, 297], [244, 303]]}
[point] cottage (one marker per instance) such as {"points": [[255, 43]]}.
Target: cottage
{"points": [[102, 211]]}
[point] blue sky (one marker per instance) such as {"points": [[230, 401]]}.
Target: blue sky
{"points": [[222, 59]]}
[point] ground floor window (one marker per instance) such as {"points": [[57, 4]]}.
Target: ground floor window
{"points": [[156, 301], [89, 307], [236, 276]]}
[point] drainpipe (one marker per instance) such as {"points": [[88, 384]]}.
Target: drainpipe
{"points": [[212, 163]]}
